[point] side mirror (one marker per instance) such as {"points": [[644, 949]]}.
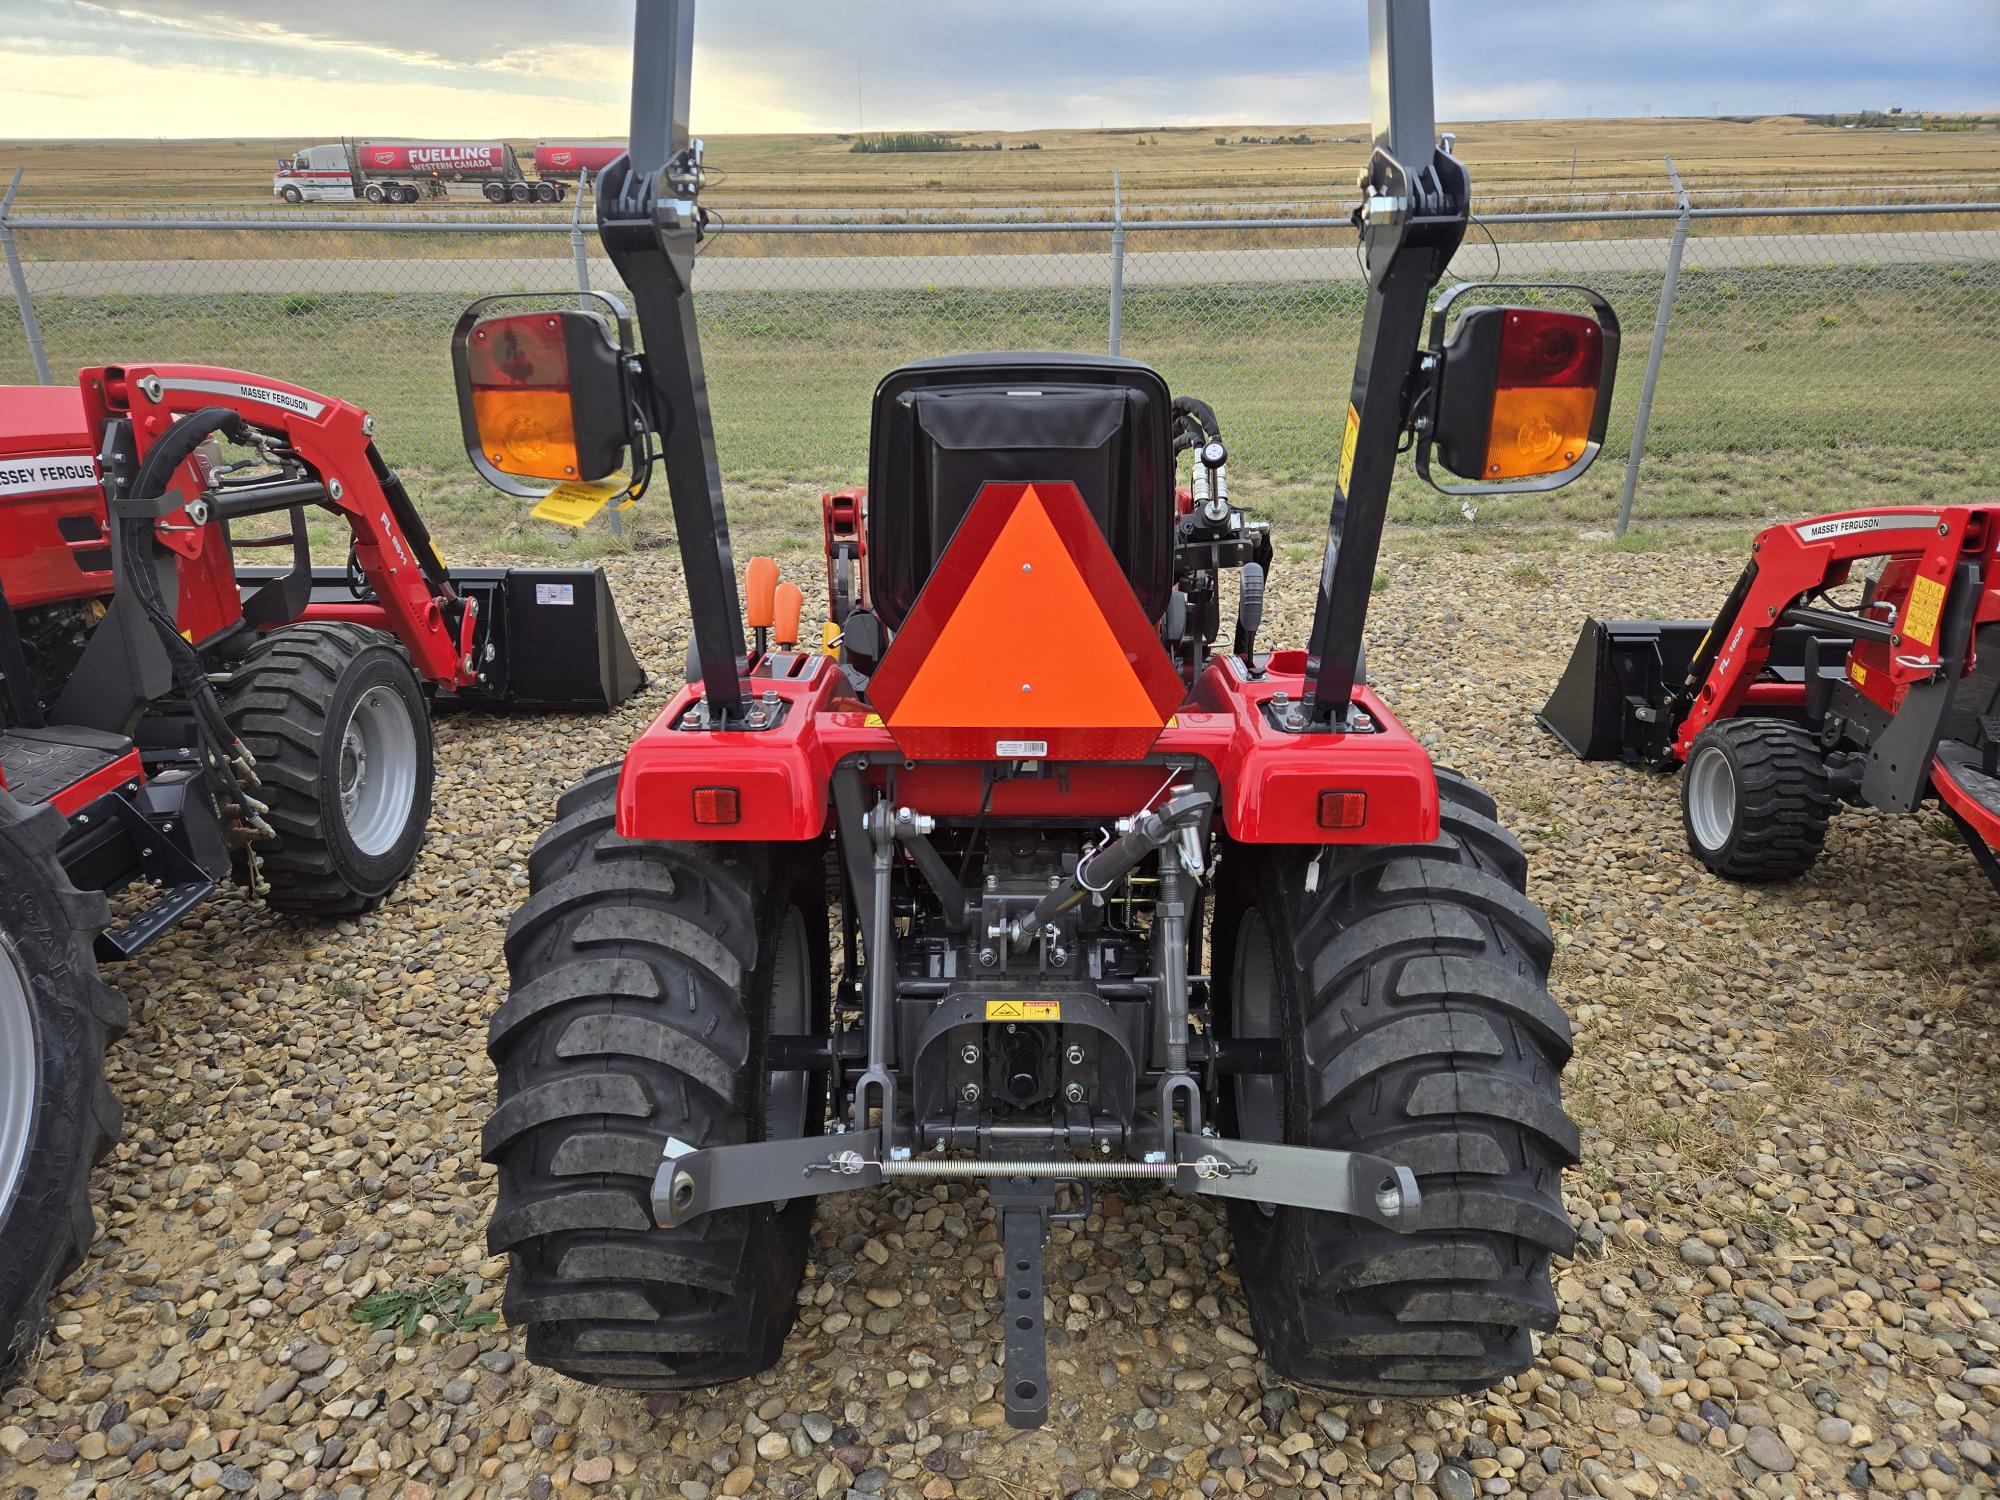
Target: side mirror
{"points": [[543, 395], [1519, 396]]}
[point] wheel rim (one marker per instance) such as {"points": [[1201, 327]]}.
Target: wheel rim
{"points": [[785, 1097], [377, 773], [1710, 790], [18, 1077]]}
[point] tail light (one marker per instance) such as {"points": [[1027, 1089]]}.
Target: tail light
{"points": [[1519, 395], [541, 396]]}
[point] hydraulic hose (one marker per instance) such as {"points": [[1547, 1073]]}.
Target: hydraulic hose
{"points": [[227, 754], [1194, 423]]}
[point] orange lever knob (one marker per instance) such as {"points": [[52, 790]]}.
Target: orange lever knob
{"points": [[760, 579], [789, 602]]}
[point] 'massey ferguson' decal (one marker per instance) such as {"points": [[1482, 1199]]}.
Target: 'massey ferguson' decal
{"points": [[243, 390], [38, 476], [1820, 531]]}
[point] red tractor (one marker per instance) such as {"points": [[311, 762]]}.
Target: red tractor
{"points": [[1857, 661], [1008, 874], [169, 719]]}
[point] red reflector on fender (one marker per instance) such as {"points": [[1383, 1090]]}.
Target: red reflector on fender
{"points": [[717, 804], [1343, 809]]}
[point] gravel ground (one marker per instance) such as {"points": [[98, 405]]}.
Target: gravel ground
{"points": [[1788, 1282]]}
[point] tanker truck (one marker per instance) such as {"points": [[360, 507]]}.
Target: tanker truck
{"points": [[405, 171], [565, 159]]}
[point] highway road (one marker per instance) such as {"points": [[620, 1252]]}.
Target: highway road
{"points": [[1329, 261]]}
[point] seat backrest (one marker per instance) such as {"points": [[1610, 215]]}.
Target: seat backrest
{"points": [[945, 428]]}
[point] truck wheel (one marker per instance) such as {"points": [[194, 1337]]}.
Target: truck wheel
{"points": [[57, 1116], [373, 192], [337, 721], [1754, 799], [291, 195], [547, 192], [519, 192], [496, 192], [647, 979], [1409, 994]]}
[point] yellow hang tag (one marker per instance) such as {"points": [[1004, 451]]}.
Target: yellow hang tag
{"points": [[1350, 439], [577, 503]]}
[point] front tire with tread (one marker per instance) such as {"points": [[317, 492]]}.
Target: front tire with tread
{"points": [[1409, 994], [1755, 803], [291, 701]]}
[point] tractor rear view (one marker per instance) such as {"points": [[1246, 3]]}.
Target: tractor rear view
{"points": [[1011, 872], [1856, 662]]}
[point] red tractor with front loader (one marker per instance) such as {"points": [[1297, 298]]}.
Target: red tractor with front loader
{"points": [[171, 719], [1856, 662], [1007, 874]]}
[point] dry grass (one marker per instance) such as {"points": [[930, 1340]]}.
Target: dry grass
{"points": [[1525, 159]]}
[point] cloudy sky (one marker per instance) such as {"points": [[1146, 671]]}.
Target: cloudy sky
{"points": [[535, 67]]}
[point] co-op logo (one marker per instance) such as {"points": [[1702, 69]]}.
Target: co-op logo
{"points": [[561, 158]]}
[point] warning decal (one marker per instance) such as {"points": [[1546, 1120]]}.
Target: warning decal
{"points": [[1348, 441], [1920, 620], [1024, 1010]]}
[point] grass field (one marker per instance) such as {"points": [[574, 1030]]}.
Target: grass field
{"points": [[1779, 395], [1523, 159]]}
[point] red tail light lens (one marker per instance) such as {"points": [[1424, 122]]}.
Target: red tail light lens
{"points": [[1549, 348]]}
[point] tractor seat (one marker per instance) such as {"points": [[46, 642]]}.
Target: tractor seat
{"points": [[945, 428]]}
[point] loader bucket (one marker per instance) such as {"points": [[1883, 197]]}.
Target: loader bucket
{"points": [[548, 638], [1627, 679], [555, 638], [1611, 702]]}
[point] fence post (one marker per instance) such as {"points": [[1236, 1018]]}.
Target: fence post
{"points": [[576, 241], [29, 323], [1668, 284], [1117, 262]]}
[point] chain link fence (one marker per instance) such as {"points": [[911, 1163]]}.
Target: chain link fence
{"points": [[1817, 346]]}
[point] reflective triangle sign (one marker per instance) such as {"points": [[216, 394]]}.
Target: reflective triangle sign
{"points": [[1027, 642]]}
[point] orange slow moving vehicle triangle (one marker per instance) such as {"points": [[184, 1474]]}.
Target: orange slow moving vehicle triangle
{"points": [[1027, 642]]}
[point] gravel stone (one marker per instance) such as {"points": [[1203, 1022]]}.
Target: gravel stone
{"points": [[1785, 1203]]}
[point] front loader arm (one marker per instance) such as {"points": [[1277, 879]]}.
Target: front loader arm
{"points": [[328, 443], [1791, 563]]}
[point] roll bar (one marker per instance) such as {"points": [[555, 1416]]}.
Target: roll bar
{"points": [[1412, 217]]}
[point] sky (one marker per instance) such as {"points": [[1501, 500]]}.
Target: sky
{"points": [[527, 68]]}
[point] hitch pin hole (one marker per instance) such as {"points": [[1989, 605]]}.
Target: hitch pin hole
{"points": [[1389, 1197]]}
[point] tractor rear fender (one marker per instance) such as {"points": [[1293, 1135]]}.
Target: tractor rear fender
{"points": [[1271, 782]]}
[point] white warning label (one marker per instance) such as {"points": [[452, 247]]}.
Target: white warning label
{"points": [[555, 593]]}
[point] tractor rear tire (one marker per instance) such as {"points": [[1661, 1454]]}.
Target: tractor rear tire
{"points": [[58, 1117], [337, 721], [1754, 799], [1409, 993], [647, 980]]}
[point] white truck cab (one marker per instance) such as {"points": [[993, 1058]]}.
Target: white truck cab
{"points": [[317, 174]]}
